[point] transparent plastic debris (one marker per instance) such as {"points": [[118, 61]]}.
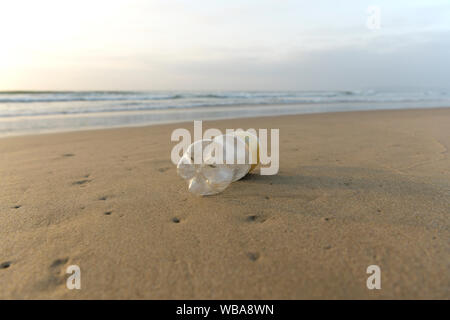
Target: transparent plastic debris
{"points": [[210, 165]]}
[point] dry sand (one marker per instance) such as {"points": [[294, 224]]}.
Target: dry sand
{"points": [[354, 189]]}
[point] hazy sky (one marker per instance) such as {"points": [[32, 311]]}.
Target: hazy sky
{"points": [[222, 45]]}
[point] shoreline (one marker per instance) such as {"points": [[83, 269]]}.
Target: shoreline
{"points": [[189, 110]]}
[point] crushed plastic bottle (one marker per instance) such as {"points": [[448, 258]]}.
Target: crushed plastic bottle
{"points": [[210, 165]]}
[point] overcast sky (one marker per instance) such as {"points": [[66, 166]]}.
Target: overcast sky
{"points": [[222, 45]]}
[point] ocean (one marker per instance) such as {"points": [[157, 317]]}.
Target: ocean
{"points": [[30, 112]]}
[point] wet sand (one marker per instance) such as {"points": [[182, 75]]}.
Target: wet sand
{"points": [[354, 189]]}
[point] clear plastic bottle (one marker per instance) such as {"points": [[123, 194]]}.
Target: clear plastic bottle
{"points": [[210, 165]]}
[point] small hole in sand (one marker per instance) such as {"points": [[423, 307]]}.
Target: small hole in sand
{"points": [[108, 213], [17, 207], [175, 220], [103, 198], [5, 265], [253, 256], [81, 182], [59, 262]]}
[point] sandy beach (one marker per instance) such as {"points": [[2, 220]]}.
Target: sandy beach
{"points": [[354, 189]]}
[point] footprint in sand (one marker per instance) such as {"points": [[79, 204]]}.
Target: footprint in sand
{"points": [[55, 277]]}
